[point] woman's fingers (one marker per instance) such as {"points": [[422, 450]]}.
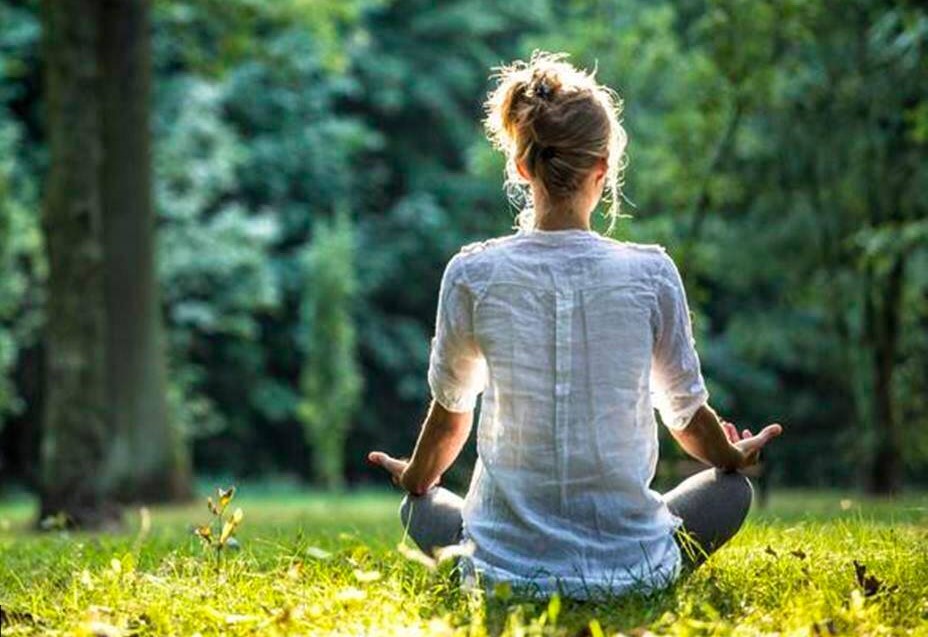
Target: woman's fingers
{"points": [[767, 434], [731, 432], [770, 432], [753, 444], [393, 466], [382, 459]]}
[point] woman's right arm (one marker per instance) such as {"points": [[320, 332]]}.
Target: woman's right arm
{"points": [[680, 391]]}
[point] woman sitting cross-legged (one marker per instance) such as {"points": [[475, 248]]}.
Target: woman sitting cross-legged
{"points": [[569, 335]]}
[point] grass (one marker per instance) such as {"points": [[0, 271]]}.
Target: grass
{"points": [[320, 564]]}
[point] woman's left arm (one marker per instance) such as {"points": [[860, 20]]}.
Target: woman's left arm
{"points": [[457, 374], [440, 442]]}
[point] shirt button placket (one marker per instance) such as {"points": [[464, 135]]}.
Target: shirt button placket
{"points": [[564, 310]]}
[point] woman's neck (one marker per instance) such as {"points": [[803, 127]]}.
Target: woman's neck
{"points": [[552, 220], [564, 216]]}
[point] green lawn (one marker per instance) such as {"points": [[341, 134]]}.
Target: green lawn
{"points": [[318, 564]]}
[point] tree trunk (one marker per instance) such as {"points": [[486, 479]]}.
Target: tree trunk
{"points": [[75, 440], [886, 469], [106, 431], [147, 461]]}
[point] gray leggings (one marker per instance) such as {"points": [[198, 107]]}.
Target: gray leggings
{"points": [[711, 503]]}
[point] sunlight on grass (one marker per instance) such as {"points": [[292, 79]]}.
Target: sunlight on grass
{"points": [[317, 564]]}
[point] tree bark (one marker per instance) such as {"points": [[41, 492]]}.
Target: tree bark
{"points": [[886, 470], [147, 461], [106, 430], [75, 439]]}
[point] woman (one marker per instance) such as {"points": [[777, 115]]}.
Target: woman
{"points": [[568, 334]]}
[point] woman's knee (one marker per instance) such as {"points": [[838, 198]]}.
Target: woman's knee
{"points": [[433, 519], [416, 505], [405, 509], [744, 490], [738, 490]]}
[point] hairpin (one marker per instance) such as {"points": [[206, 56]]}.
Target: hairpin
{"points": [[543, 90]]}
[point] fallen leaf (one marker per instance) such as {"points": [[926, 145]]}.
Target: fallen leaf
{"points": [[154, 580], [288, 614], [317, 553], [100, 629], [295, 571], [11, 617], [350, 594], [366, 576], [144, 522], [869, 583], [440, 628], [241, 619], [826, 627]]}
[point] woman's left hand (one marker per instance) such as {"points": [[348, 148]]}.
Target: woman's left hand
{"points": [[394, 466], [402, 473]]}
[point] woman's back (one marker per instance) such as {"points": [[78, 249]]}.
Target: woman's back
{"points": [[566, 323]]}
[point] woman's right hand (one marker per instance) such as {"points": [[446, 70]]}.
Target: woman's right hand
{"points": [[716, 442], [748, 444]]}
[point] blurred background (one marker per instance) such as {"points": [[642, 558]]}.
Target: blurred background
{"points": [[223, 225]]}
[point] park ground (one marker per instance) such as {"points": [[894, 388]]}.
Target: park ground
{"points": [[330, 564]]}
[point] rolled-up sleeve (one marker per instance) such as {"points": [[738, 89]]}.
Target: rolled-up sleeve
{"points": [[678, 387], [457, 368]]}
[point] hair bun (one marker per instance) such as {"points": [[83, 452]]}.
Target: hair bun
{"points": [[554, 123]]}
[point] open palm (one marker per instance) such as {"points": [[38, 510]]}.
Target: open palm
{"points": [[750, 444]]}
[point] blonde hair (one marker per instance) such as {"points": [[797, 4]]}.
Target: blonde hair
{"points": [[559, 121]]}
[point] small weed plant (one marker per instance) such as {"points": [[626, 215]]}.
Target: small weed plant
{"points": [[218, 535]]}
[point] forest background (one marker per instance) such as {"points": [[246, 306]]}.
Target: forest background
{"points": [[309, 166]]}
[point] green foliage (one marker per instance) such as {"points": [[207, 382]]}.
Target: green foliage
{"points": [[777, 148], [215, 267], [331, 381], [250, 148], [21, 259], [839, 176], [21, 267], [327, 564]]}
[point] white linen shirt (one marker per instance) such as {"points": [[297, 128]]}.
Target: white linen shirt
{"points": [[568, 333]]}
